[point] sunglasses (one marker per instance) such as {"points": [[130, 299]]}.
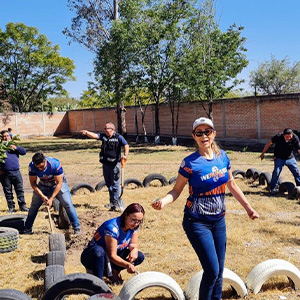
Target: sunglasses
{"points": [[206, 132]]}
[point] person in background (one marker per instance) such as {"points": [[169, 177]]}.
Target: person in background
{"points": [[208, 172], [115, 245], [52, 184], [110, 157], [285, 142], [10, 175], [10, 132]]}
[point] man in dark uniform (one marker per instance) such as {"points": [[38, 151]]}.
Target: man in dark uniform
{"points": [[285, 142], [110, 157]]}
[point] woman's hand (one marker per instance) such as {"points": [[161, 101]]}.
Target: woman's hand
{"points": [[130, 268], [252, 214], [133, 255]]}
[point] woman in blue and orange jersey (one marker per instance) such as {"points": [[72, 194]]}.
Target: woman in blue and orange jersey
{"points": [[208, 172], [115, 245]]}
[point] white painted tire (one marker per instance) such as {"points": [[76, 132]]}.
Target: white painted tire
{"points": [[272, 267], [191, 291], [149, 279]]}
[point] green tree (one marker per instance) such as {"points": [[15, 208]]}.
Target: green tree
{"points": [[276, 77], [96, 27], [212, 58], [160, 30], [63, 103], [31, 67]]}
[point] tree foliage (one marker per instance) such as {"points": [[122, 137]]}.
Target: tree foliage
{"points": [[276, 77], [170, 49], [31, 67], [212, 58]]}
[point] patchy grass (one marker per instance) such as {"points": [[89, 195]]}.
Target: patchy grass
{"points": [[162, 239]]}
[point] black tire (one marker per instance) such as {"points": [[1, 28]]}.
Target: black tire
{"points": [[100, 185], [9, 238], [236, 173], [264, 178], [82, 185], [250, 172], [295, 194], [173, 180], [63, 219], [133, 181], [52, 274], [57, 242], [55, 258], [55, 204], [256, 175], [16, 221], [286, 187], [10, 294], [155, 176], [77, 283]]}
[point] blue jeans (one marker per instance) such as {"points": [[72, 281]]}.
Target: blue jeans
{"points": [[208, 239], [111, 174], [94, 258], [278, 166], [9, 179], [64, 197]]}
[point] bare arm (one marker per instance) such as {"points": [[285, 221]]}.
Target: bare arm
{"points": [[126, 151], [90, 134], [111, 246], [59, 182], [239, 196], [267, 146], [33, 183], [173, 194], [133, 247]]}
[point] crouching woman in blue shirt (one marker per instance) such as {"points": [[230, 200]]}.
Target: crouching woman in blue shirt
{"points": [[116, 239], [208, 172]]}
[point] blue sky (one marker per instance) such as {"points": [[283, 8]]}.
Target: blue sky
{"points": [[271, 27]]}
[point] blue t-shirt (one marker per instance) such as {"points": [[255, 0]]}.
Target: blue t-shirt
{"points": [[207, 182], [113, 228], [53, 168]]}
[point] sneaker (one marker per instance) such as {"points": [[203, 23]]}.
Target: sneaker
{"points": [[77, 231], [107, 206], [26, 231], [273, 192], [116, 209], [11, 210], [24, 208]]}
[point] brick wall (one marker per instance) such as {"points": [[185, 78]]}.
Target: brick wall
{"points": [[35, 123], [250, 118]]}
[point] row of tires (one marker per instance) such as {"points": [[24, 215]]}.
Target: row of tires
{"points": [[264, 178], [129, 181], [79, 283]]}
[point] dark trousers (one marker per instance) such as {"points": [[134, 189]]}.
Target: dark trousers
{"points": [[208, 239], [111, 174], [8, 180], [94, 258]]}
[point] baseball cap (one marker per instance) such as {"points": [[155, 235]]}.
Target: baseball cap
{"points": [[203, 121]]}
